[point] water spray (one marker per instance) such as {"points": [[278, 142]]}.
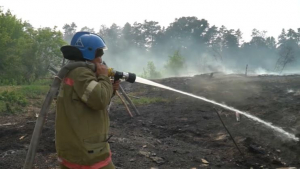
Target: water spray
{"points": [[268, 124]]}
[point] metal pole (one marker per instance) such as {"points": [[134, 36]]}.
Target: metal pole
{"points": [[228, 131]]}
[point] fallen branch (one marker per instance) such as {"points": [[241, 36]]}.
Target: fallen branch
{"points": [[8, 124], [129, 112], [22, 137]]}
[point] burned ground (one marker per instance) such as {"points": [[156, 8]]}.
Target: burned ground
{"points": [[177, 131]]}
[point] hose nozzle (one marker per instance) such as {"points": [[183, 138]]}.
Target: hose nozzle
{"points": [[129, 77]]}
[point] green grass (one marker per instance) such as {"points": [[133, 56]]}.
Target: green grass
{"points": [[33, 91], [14, 99], [144, 100], [148, 100], [2, 107], [43, 82], [12, 102]]}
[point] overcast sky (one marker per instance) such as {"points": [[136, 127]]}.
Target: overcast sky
{"points": [[269, 15]]}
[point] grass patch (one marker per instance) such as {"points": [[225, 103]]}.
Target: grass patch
{"points": [[148, 100], [33, 91], [138, 92], [145, 100], [2, 106], [12, 102], [14, 99], [9, 88], [44, 82]]}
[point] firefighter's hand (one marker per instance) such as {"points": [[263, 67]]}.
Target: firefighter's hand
{"points": [[101, 69], [116, 85]]}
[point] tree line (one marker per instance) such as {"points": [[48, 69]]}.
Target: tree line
{"points": [[187, 45], [25, 52], [191, 44]]}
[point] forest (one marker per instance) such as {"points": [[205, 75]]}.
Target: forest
{"points": [[188, 46]]}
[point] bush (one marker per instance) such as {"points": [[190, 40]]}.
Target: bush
{"points": [[12, 102], [176, 64], [150, 72], [13, 99]]}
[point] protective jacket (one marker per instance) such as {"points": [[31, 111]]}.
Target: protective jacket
{"points": [[82, 121]]}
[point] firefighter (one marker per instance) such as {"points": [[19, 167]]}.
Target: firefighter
{"points": [[82, 121]]}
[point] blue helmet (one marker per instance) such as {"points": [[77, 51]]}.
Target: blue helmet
{"points": [[88, 43]]}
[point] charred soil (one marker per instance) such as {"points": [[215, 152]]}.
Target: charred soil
{"points": [[179, 132]]}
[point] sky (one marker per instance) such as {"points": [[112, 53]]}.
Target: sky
{"points": [[268, 15]]}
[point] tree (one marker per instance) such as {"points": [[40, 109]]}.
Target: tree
{"points": [[175, 64], [257, 33], [150, 71], [138, 35], [288, 49], [260, 52], [227, 45], [87, 29], [298, 40], [282, 37], [186, 33], [217, 42], [127, 33], [231, 42], [25, 52], [11, 33], [292, 34], [287, 54], [112, 37], [47, 50], [69, 31], [151, 29], [224, 42], [258, 39], [239, 37], [271, 43]]}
